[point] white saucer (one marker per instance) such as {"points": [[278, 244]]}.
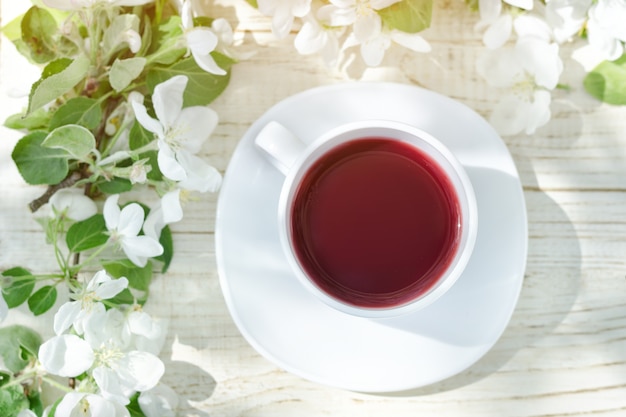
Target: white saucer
{"points": [[299, 333]]}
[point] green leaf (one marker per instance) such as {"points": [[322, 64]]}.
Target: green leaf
{"points": [[165, 41], [16, 346], [42, 300], [78, 111], [607, 81], [38, 33], [168, 248], [12, 400], [134, 408], [138, 278], [35, 402], [38, 164], [253, 3], [38, 119], [58, 77], [139, 136], [202, 87], [87, 234], [155, 173], [116, 185], [19, 289], [4, 378], [410, 16], [124, 71], [76, 140]]}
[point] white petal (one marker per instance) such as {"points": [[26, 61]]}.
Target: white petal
{"points": [[154, 223], [172, 211], [412, 41], [334, 16], [195, 125], [168, 99], [540, 59], [111, 212], [131, 220], [65, 316], [373, 51], [529, 25], [522, 4], [539, 112], [144, 119], [310, 39], [76, 205], [132, 2], [99, 277], [160, 401], [201, 40], [133, 40], [367, 27], [98, 406], [499, 67], [223, 30], [26, 413], [201, 176], [382, 4], [499, 32], [138, 248], [602, 41], [489, 10], [186, 14], [66, 355], [207, 63], [90, 323], [300, 8], [67, 405], [168, 164], [140, 371], [109, 384], [112, 288], [64, 4], [282, 21], [510, 115]]}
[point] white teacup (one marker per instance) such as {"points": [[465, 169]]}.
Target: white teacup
{"points": [[377, 218]]}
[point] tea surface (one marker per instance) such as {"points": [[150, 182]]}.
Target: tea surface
{"points": [[375, 222]]}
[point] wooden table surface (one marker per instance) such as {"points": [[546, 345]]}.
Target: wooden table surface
{"points": [[564, 351]]}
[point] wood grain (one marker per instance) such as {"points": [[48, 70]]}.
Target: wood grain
{"points": [[564, 351]]}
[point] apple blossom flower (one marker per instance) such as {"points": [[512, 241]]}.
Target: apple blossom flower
{"points": [[566, 17], [527, 71], [283, 13], [499, 25], [373, 50], [73, 313], [147, 334], [606, 27], [160, 401], [124, 226], [180, 133], [83, 4], [117, 369], [80, 404], [314, 37], [72, 204], [361, 14], [201, 41]]}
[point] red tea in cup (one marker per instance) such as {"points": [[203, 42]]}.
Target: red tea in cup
{"points": [[375, 222]]}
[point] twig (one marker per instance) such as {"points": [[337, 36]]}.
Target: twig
{"points": [[70, 180]]}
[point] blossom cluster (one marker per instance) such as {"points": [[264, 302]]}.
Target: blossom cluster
{"points": [[529, 67], [332, 27], [111, 113]]}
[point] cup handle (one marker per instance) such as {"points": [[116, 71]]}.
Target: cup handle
{"points": [[281, 147]]}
